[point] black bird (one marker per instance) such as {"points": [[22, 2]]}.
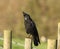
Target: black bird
{"points": [[31, 28]]}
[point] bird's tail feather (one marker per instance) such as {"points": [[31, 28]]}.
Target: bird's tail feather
{"points": [[36, 41]]}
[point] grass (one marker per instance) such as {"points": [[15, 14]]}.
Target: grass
{"points": [[17, 47], [19, 44]]}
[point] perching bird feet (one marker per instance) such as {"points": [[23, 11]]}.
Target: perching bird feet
{"points": [[29, 36]]}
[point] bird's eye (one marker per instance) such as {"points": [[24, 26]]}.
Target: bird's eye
{"points": [[25, 18]]}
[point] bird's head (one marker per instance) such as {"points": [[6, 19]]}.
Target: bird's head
{"points": [[26, 16]]}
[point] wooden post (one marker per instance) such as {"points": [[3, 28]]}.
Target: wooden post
{"points": [[28, 43], [7, 39], [58, 45], [51, 44]]}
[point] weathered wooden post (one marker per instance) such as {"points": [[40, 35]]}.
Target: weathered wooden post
{"points": [[58, 45], [28, 43], [51, 44], [7, 39]]}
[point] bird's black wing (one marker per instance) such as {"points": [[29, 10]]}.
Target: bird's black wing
{"points": [[35, 34]]}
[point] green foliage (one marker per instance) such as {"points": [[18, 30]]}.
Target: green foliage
{"points": [[1, 43], [17, 47]]}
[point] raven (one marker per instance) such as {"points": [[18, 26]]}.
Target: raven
{"points": [[31, 28]]}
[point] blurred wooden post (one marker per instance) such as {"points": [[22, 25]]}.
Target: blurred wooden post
{"points": [[28, 43], [58, 45], [51, 44], [7, 39]]}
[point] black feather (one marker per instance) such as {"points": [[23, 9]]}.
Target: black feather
{"points": [[31, 28]]}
